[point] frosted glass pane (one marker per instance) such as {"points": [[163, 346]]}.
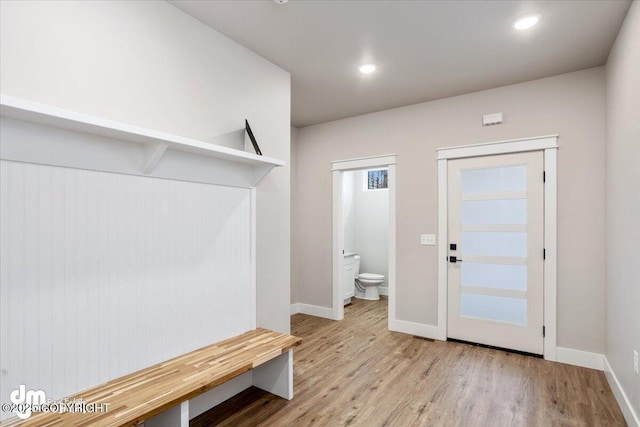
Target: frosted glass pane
{"points": [[496, 276], [489, 307], [512, 211], [494, 243], [511, 178]]}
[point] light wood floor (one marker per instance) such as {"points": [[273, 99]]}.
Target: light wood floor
{"points": [[356, 372]]}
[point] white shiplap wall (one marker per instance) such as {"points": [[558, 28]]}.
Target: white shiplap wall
{"points": [[103, 274]]}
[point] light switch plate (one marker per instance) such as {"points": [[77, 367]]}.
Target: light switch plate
{"points": [[492, 119], [428, 239]]}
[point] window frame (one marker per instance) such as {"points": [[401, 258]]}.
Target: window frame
{"points": [[365, 183]]}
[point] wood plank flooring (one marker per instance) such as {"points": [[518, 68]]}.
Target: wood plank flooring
{"points": [[357, 373]]}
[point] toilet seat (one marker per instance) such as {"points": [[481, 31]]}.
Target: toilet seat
{"points": [[370, 276]]}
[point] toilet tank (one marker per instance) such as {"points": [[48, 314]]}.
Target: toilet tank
{"points": [[356, 267]]}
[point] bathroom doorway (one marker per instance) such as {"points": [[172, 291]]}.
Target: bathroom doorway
{"points": [[364, 230], [365, 224]]}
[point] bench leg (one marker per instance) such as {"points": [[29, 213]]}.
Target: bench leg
{"points": [[276, 376], [173, 417], [184, 414]]}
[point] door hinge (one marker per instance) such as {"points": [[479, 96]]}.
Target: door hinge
{"points": [[543, 332], [544, 254], [544, 176]]}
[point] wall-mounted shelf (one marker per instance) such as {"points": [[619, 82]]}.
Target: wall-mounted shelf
{"points": [[88, 142]]}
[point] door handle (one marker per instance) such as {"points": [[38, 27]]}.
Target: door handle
{"points": [[453, 259]]}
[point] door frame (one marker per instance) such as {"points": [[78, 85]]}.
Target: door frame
{"points": [[549, 145], [339, 166]]}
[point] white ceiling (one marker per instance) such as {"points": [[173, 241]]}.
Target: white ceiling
{"points": [[424, 50]]}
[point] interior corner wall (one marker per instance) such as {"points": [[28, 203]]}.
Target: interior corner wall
{"points": [[623, 205], [292, 172], [349, 211], [571, 105]]}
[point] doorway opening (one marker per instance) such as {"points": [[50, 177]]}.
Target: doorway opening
{"points": [[364, 224]]}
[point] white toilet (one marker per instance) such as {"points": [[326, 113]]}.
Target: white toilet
{"points": [[367, 283]]}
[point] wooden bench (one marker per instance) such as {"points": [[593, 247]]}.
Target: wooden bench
{"points": [[136, 397]]}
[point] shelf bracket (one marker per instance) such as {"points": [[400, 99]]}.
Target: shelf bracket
{"points": [[259, 173], [153, 155]]}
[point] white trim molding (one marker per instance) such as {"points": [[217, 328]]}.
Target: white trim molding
{"points": [[391, 280], [549, 145], [338, 245], [535, 143], [417, 329], [629, 413], [364, 162], [253, 303], [550, 245], [312, 310], [337, 167], [443, 244], [585, 359]]}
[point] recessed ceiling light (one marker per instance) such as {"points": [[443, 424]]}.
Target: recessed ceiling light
{"points": [[526, 22], [367, 68], [281, 1]]}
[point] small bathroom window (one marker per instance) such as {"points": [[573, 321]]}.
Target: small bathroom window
{"points": [[376, 179]]}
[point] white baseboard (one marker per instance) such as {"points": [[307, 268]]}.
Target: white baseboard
{"points": [[384, 291], [585, 359], [418, 329], [312, 310], [629, 413], [294, 308]]}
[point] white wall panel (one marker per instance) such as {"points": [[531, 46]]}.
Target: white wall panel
{"points": [[104, 274]]}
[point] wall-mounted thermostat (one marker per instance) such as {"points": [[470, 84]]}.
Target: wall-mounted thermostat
{"points": [[492, 119]]}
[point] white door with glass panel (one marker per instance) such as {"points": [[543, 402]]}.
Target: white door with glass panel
{"points": [[496, 237]]}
